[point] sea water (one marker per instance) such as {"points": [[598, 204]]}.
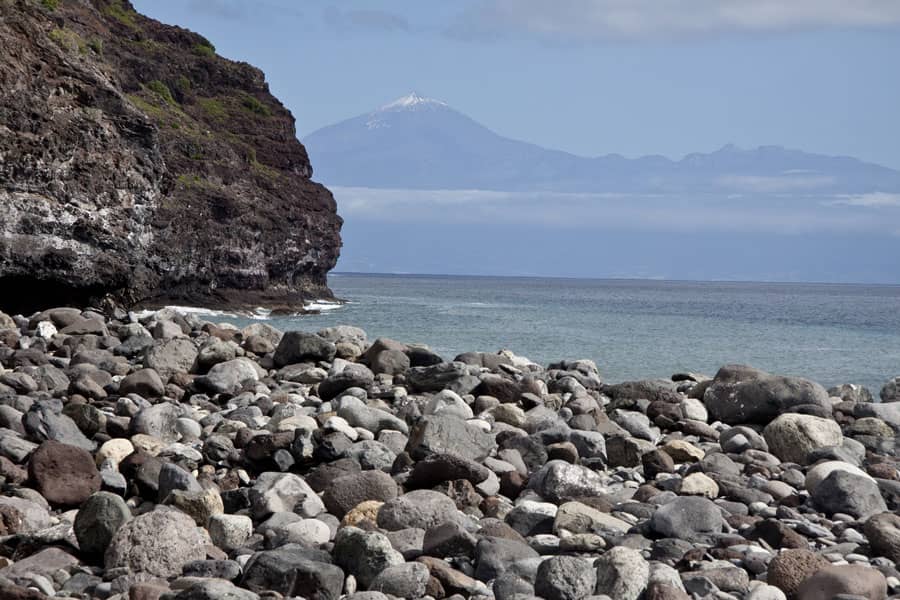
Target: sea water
{"points": [[632, 329]]}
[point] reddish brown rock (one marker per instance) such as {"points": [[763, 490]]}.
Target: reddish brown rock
{"points": [[14, 592], [65, 475], [12, 472], [663, 591], [792, 567], [11, 520]]}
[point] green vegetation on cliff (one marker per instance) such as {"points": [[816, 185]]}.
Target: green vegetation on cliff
{"points": [[175, 172]]}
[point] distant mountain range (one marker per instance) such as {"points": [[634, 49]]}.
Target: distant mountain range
{"points": [[422, 143]]}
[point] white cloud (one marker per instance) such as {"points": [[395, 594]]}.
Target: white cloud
{"points": [[637, 212], [769, 185], [588, 19], [873, 200]]}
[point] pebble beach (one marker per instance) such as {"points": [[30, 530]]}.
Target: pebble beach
{"points": [[162, 456]]}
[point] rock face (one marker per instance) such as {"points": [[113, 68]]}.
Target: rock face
{"points": [[121, 137]]}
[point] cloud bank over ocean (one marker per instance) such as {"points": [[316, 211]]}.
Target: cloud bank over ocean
{"points": [[783, 214]]}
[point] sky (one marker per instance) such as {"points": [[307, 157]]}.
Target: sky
{"points": [[591, 77]]}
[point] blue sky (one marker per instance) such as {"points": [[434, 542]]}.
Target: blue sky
{"points": [[587, 76]]}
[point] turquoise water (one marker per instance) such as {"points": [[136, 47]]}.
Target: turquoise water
{"points": [[634, 329]]}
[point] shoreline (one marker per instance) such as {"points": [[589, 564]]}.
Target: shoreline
{"points": [[195, 459]]}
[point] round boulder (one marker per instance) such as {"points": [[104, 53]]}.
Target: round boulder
{"points": [[420, 508], [159, 543], [622, 573], [883, 532], [565, 578], [98, 519], [408, 580], [63, 474], [843, 492], [790, 568], [688, 518], [818, 473], [791, 437], [759, 397], [346, 492]]}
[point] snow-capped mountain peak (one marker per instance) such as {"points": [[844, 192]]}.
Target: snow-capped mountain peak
{"points": [[412, 100]]}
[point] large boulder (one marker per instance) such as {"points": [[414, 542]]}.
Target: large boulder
{"points": [[495, 556], [622, 573], [346, 492], [158, 543], [43, 421], [760, 398], [844, 492], [294, 570], [283, 492], [64, 475], [820, 471], [300, 346], [565, 578], [350, 342], [158, 421], [229, 376], [352, 375], [364, 554], [789, 568], [690, 518], [97, 521], [419, 508], [171, 357], [791, 437], [888, 411], [559, 480], [448, 434], [883, 532], [452, 376]]}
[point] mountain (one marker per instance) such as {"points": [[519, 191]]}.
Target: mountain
{"points": [[422, 143], [137, 164]]}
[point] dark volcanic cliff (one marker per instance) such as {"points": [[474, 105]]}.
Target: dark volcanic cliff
{"points": [[137, 164]]}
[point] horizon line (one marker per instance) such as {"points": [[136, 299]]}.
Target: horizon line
{"points": [[630, 279]]}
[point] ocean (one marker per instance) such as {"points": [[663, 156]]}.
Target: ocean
{"points": [[632, 329]]}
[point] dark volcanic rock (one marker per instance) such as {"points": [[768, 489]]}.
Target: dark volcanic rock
{"points": [[297, 346], [64, 474], [345, 492], [289, 572], [687, 518], [97, 521], [843, 492], [759, 397], [138, 163]]}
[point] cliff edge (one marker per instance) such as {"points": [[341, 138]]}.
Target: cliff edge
{"points": [[137, 165]]}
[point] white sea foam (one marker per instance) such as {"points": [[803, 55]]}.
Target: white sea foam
{"points": [[323, 305], [259, 312]]}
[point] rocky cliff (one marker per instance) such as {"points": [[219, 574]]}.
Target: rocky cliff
{"points": [[139, 166]]}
